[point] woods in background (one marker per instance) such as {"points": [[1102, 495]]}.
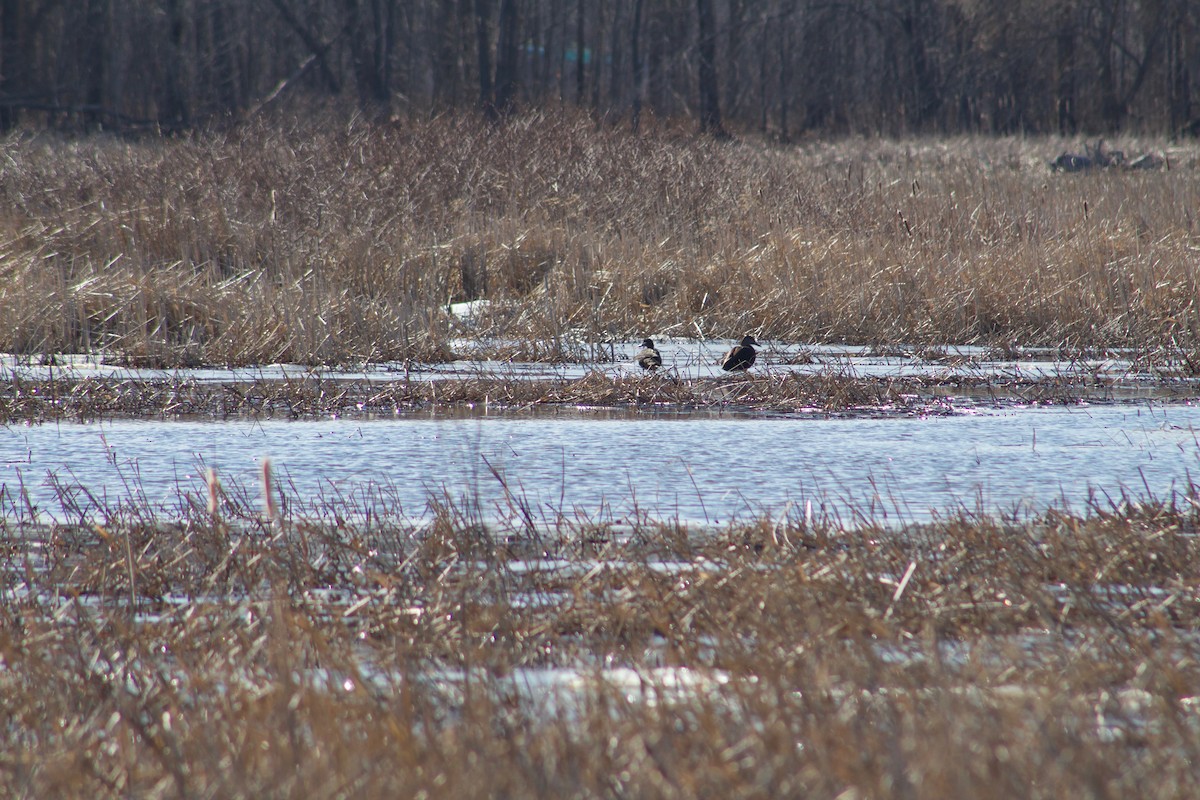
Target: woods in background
{"points": [[782, 67]]}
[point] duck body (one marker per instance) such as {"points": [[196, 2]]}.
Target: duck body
{"points": [[741, 356], [648, 357]]}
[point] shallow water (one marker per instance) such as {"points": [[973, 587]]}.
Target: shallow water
{"points": [[688, 360], [612, 466]]}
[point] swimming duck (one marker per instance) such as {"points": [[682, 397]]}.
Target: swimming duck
{"points": [[740, 356], [648, 357]]}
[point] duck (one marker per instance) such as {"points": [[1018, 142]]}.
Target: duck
{"points": [[648, 357], [740, 356]]}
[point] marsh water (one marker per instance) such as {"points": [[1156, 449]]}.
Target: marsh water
{"points": [[684, 359], [613, 465]]}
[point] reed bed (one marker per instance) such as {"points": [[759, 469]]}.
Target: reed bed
{"points": [[336, 649], [334, 240]]}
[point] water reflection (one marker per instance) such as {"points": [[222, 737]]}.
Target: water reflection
{"points": [[695, 468]]}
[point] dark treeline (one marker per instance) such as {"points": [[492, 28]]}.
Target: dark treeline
{"points": [[784, 67]]}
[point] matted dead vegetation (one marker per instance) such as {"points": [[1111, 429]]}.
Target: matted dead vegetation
{"points": [[341, 650], [830, 392], [330, 241]]}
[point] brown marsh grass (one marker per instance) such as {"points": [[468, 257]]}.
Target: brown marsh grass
{"points": [[329, 241], [342, 651]]}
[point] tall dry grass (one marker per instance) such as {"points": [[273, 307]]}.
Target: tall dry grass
{"points": [[329, 240], [335, 649]]}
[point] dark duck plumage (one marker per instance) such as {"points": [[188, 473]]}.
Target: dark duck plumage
{"points": [[648, 357], [740, 356]]}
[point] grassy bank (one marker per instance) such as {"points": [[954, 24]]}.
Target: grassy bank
{"points": [[341, 650], [331, 241]]}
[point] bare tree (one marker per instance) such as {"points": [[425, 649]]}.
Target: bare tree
{"points": [[13, 69], [639, 66], [884, 67], [506, 57], [710, 96]]}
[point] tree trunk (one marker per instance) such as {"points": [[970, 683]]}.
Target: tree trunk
{"points": [[483, 24], [638, 66], [446, 83], [785, 81], [1066, 103], [12, 68], [580, 50], [385, 36], [314, 44], [926, 101], [710, 103], [96, 63], [506, 58]]}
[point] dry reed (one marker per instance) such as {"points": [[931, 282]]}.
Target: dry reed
{"points": [[335, 241], [332, 652]]}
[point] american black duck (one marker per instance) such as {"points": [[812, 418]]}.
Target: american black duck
{"points": [[740, 356]]}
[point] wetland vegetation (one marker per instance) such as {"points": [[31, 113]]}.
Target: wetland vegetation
{"points": [[335, 242], [239, 651], [249, 643]]}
